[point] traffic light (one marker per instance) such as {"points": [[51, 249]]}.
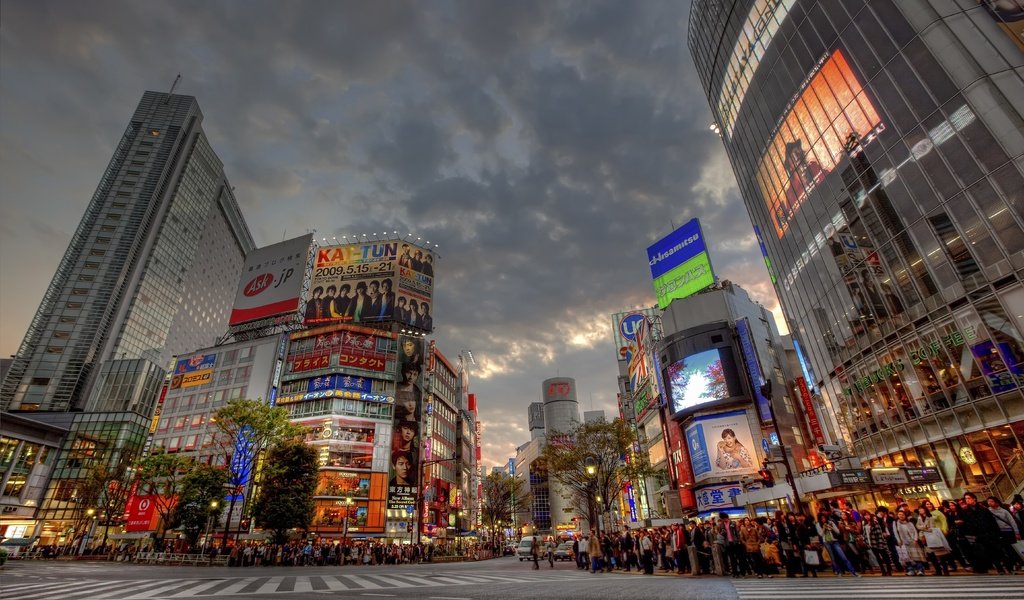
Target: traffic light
{"points": [[408, 528], [766, 476]]}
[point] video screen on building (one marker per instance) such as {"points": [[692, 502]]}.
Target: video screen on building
{"points": [[830, 116], [697, 379]]}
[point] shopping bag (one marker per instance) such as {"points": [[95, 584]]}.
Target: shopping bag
{"points": [[934, 539], [1019, 548], [811, 558]]}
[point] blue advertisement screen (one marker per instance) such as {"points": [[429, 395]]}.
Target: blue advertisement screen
{"points": [[675, 249]]}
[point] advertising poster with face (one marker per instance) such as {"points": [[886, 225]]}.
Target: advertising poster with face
{"points": [[405, 436], [721, 445], [371, 282]]}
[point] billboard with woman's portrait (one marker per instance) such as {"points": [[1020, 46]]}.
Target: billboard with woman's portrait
{"points": [[721, 445]]}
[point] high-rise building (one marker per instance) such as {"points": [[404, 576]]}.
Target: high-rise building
{"points": [[535, 418], [149, 273], [878, 146]]}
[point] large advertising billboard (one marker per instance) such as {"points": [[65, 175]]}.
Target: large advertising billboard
{"points": [[193, 371], [830, 115], [372, 282], [749, 351], [721, 445], [696, 380], [403, 474], [679, 263], [271, 282], [624, 327]]}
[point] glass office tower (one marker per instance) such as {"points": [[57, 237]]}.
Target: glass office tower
{"points": [[150, 272], [878, 148]]}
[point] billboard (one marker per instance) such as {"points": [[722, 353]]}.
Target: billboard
{"points": [[716, 497], [827, 118], [271, 282], [624, 326], [193, 371], [680, 265], [721, 445], [141, 513], [764, 410], [697, 379], [403, 473], [372, 282]]}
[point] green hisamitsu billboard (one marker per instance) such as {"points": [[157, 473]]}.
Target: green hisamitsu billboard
{"points": [[680, 265]]}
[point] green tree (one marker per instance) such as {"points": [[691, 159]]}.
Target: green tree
{"points": [[503, 497], [285, 497], [245, 429], [607, 448], [199, 488], [160, 475]]}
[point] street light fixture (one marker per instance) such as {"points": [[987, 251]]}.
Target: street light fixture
{"points": [[209, 520], [590, 464], [348, 509]]}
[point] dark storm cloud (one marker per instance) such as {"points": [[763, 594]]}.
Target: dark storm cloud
{"points": [[542, 145]]}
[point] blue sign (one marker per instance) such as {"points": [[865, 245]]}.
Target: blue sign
{"points": [[699, 458], [241, 460], [512, 467], [632, 503], [764, 445], [808, 373], [676, 248], [774, 437], [339, 382], [629, 324], [753, 369]]}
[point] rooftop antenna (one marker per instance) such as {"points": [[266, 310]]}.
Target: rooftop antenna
{"points": [[173, 85]]}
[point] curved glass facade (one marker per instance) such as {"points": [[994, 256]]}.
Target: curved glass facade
{"points": [[879, 148]]}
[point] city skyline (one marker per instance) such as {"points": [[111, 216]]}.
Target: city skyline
{"points": [[484, 130]]}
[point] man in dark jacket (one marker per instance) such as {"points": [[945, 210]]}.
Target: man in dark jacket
{"points": [[980, 530], [626, 545]]}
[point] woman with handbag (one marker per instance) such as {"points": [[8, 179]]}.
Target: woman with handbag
{"points": [[808, 548], [934, 541], [876, 536], [908, 541], [832, 536]]}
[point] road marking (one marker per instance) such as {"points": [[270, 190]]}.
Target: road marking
{"points": [[447, 598], [385, 595]]}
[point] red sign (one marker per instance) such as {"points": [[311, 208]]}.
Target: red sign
{"points": [[309, 362], [141, 513], [370, 362], [812, 415]]}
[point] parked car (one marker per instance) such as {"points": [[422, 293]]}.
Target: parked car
{"points": [[564, 551], [509, 550]]}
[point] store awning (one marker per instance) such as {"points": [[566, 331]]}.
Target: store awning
{"points": [[17, 542]]}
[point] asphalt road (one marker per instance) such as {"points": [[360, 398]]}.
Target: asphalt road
{"points": [[499, 578]]}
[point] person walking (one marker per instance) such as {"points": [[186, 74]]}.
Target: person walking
{"points": [[647, 553], [909, 544], [933, 539], [1009, 534], [831, 536], [549, 550], [594, 550], [876, 536], [980, 532], [535, 552]]}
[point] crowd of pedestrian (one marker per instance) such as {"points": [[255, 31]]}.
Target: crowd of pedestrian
{"points": [[964, 534]]}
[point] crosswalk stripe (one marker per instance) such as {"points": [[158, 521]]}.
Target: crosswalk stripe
{"points": [[269, 587], [363, 582], [392, 581], [74, 590]]}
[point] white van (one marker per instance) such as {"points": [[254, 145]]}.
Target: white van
{"points": [[523, 549]]}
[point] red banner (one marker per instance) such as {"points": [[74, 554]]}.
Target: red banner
{"points": [[812, 415], [310, 362], [370, 362], [141, 514]]}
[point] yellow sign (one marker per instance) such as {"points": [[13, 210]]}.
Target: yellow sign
{"points": [[196, 378]]}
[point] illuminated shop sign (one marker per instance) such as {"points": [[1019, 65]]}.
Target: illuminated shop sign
{"points": [[764, 253], [680, 265], [753, 369], [917, 357], [813, 136], [343, 394]]}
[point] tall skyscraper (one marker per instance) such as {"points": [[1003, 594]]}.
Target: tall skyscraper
{"points": [[877, 146], [149, 273]]}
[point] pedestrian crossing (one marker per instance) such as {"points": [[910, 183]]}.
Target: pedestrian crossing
{"points": [[981, 587], [350, 580]]}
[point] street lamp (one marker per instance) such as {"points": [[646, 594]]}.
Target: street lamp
{"points": [[209, 519], [348, 509], [591, 465], [91, 513]]}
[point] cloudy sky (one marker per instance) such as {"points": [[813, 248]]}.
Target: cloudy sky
{"points": [[543, 145]]}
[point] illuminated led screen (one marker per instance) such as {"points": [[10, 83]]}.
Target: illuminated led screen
{"points": [[697, 379], [812, 137]]}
